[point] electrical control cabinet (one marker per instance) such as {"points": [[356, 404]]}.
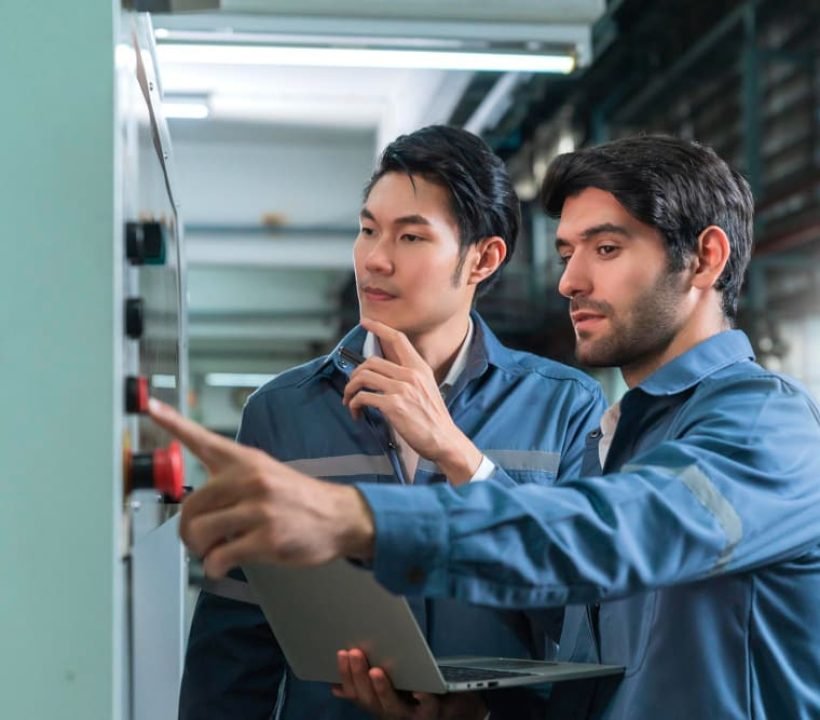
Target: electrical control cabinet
{"points": [[92, 324], [154, 364]]}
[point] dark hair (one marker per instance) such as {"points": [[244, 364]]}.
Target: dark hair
{"points": [[676, 186], [482, 198]]}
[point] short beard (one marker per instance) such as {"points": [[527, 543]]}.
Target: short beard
{"points": [[650, 330]]}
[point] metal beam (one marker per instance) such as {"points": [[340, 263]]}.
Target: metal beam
{"points": [[495, 104], [261, 246], [566, 33], [294, 252]]}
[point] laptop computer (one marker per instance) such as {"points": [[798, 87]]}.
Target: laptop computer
{"points": [[316, 611]]}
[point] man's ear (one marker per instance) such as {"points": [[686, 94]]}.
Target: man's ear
{"points": [[712, 255], [485, 257]]}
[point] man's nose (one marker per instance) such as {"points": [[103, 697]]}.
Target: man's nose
{"points": [[575, 278], [379, 259]]}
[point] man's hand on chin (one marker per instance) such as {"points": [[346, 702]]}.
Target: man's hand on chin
{"points": [[401, 385]]}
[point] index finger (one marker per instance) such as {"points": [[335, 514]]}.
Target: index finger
{"points": [[395, 345], [213, 450]]}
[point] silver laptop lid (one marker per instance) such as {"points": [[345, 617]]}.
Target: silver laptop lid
{"points": [[315, 612]]}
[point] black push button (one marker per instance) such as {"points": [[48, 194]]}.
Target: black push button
{"points": [[134, 318], [145, 242]]}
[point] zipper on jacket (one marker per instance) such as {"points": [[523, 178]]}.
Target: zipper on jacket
{"points": [[391, 449], [393, 455], [388, 446]]}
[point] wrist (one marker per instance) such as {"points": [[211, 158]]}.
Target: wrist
{"points": [[459, 459], [354, 520]]}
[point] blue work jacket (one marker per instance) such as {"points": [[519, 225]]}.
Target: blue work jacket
{"points": [[693, 559], [526, 413]]}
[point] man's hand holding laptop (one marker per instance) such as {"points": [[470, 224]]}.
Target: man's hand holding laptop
{"points": [[371, 689]]}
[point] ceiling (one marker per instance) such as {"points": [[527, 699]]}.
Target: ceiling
{"points": [[387, 100], [270, 178]]}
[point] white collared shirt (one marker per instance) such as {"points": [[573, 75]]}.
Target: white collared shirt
{"points": [[609, 423], [408, 457]]}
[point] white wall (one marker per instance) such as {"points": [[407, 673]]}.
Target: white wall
{"points": [[256, 316], [233, 173]]}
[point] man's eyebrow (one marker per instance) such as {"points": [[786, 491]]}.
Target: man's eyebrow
{"points": [[411, 220], [605, 228], [591, 232], [365, 214]]}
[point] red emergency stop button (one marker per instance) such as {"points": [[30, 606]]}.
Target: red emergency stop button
{"points": [[162, 470], [136, 394], [169, 471]]}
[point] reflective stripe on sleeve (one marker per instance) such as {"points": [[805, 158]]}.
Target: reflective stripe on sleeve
{"points": [[533, 460], [711, 498], [515, 460], [340, 465]]}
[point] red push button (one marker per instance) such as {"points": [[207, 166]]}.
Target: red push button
{"points": [[136, 394], [169, 471], [162, 470]]}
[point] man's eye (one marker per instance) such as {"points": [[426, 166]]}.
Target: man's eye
{"points": [[411, 238], [563, 259], [365, 231], [607, 249]]}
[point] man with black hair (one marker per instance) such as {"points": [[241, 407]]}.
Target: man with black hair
{"points": [[688, 550], [437, 400]]}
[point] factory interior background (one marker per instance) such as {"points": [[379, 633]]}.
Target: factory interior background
{"points": [[265, 157], [270, 180]]}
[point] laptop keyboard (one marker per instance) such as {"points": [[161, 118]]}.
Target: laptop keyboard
{"points": [[457, 673]]}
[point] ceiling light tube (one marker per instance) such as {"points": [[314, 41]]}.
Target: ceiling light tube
{"points": [[249, 380], [363, 57], [164, 381], [188, 111]]}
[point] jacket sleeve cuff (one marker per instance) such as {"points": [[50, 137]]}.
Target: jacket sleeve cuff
{"points": [[485, 470], [411, 538]]}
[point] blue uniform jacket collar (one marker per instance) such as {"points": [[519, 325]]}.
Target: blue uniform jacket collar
{"points": [[687, 370], [486, 350]]}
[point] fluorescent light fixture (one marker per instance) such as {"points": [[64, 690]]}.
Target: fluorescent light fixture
{"points": [[237, 380], [188, 111], [164, 381], [224, 54]]}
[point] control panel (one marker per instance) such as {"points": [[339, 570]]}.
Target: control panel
{"points": [[154, 353]]}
